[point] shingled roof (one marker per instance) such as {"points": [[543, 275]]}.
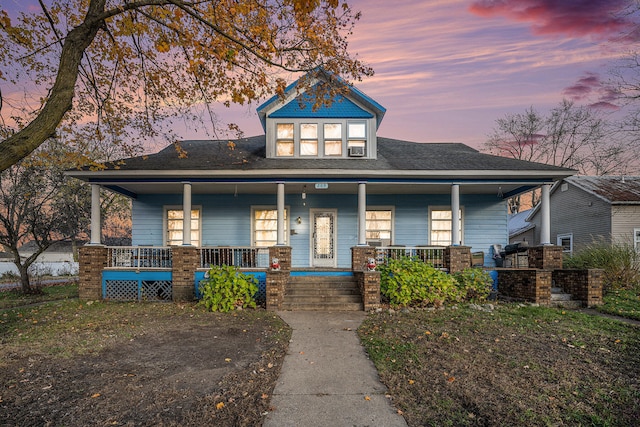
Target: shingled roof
{"points": [[393, 155], [613, 189]]}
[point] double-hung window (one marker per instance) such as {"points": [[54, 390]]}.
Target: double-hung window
{"points": [[174, 221], [440, 220], [379, 226], [309, 139], [332, 139], [636, 238], [285, 146], [357, 135], [566, 241], [265, 227]]}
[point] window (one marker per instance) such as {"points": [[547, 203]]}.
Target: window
{"points": [[566, 241], [379, 226], [333, 139], [356, 134], [440, 226], [265, 227], [636, 238], [284, 140], [174, 221], [308, 139]]}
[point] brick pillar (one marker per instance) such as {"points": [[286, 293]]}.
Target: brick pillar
{"points": [[526, 284], [360, 255], [277, 279], [457, 258], [369, 284], [283, 253], [546, 257], [93, 259], [185, 262], [583, 285]]}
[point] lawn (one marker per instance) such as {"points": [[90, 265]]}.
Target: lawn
{"points": [[514, 365], [77, 363], [14, 298], [624, 303]]}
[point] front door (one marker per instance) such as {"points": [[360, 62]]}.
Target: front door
{"points": [[323, 238]]}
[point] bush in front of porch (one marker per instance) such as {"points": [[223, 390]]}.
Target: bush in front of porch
{"points": [[228, 289], [411, 282]]}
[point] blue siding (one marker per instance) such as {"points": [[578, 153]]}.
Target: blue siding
{"points": [[302, 107], [226, 220]]}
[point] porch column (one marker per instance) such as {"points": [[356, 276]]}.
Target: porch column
{"points": [[362, 214], [280, 201], [95, 215], [186, 214], [455, 214], [545, 212]]}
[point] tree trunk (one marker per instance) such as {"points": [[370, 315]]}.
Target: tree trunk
{"points": [[25, 284], [22, 143]]}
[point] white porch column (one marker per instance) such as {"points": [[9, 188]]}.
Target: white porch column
{"points": [[545, 213], [95, 215], [186, 213], [362, 214], [280, 202], [455, 214]]}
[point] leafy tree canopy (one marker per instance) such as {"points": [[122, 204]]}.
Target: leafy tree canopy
{"points": [[124, 71]]}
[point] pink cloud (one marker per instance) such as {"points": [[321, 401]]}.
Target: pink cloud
{"points": [[590, 86], [602, 19]]}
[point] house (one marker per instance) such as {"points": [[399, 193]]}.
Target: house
{"points": [[520, 230], [319, 182], [584, 209]]}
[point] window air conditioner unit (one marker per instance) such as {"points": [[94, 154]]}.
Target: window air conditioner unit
{"points": [[356, 151]]}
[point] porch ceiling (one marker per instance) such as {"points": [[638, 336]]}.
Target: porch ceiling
{"points": [[500, 189]]}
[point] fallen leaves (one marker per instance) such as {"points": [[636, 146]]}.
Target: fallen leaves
{"points": [[367, 398], [219, 405], [95, 395]]}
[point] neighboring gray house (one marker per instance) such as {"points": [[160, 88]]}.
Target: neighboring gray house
{"points": [[588, 208], [520, 229]]}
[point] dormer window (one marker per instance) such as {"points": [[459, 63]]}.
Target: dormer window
{"points": [[284, 140], [333, 139], [309, 139]]}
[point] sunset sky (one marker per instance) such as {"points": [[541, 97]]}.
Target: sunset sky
{"points": [[447, 69]]}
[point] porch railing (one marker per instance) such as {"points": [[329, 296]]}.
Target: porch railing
{"points": [[433, 255], [239, 256], [139, 257]]}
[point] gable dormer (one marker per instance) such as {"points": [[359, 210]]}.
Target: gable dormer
{"points": [[346, 127]]}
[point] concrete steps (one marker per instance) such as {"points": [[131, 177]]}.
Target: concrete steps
{"points": [[322, 293], [561, 299]]}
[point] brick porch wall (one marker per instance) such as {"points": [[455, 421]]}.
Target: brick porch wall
{"points": [[93, 259], [360, 255], [369, 284], [185, 262], [583, 285], [277, 279], [457, 258], [526, 284], [545, 257]]}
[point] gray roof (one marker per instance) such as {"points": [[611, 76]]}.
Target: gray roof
{"points": [[518, 223], [612, 189], [393, 155]]}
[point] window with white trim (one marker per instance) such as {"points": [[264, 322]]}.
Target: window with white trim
{"points": [[379, 226], [285, 143], [566, 241], [440, 226], [264, 227], [309, 139], [174, 226], [636, 239], [356, 134], [332, 139]]}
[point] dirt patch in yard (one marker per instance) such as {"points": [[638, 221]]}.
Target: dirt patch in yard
{"points": [[167, 368]]}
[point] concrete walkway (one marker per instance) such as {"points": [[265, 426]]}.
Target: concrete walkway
{"points": [[326, 378]]}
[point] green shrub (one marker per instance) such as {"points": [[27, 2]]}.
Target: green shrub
{"points": [[620, 262], [474, 283], [227, 289], [411, 282]]}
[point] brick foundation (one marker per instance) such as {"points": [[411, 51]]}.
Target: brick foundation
{"points": [[185, 262], [545, 257], [93, 259], [526, 284], [583, 285], [276, 285], [369, 284], [457, 258]]}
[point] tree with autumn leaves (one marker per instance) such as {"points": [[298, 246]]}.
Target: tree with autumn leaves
{"points": [[123, 71]]}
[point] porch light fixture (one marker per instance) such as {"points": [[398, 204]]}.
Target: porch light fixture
{"points": [[299, 220], [304, 192]]}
